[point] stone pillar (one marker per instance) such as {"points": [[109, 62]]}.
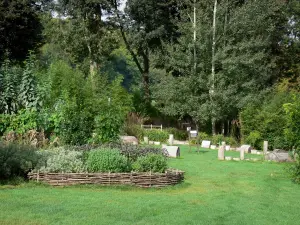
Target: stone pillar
{"points": [[221, 153], [146, 140], [242, 154], [223, 143], [171, 139], [265, 147]]}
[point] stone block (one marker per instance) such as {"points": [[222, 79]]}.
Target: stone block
{"points": [[129, 140], [213, 147], [247, 148], [173, 151], [205, 144]]}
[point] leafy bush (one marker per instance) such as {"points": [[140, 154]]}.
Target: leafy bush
{"points": [[107, 160], [178, 134], [292, 133], [16, 160], [108, 126], [157, 135], [61, 160], [217, 139], [231, 141], [203, 136], [132, 152], [134, 130], [267, 118], [150, 162], [254, 138]]}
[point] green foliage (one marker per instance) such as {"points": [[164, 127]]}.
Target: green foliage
{"points": [[231, 141], [203, 136], [16, 160], [76, 125], [217, 139], [107, 127], [266, 117], [181, 135], [24, 121], [107, 160], [134, 130], [151, 162], [157, 135], [61, 160], [20, 28], [18, 87], [254, 138], [292, 133]]}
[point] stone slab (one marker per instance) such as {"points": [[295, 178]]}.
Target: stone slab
{"points": [[247, 148], [213, 147], [205, 144], [129, 140], [279, 156], [173, 151], [228, 158]]}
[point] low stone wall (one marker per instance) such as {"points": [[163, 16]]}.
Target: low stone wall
{"points": [[170, 177]]}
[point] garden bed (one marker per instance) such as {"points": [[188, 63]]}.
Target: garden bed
{"points": [[170, 177]]}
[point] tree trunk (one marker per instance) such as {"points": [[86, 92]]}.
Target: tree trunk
{"points": [[212, 87], [195, 38], [146, 80], [213, 126]]}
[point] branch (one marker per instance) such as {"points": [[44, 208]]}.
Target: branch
{"points": [[135, 59]]}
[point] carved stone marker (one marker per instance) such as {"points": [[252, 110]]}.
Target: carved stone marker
{"points": [[247, 148], [171, 139], [146, 140], [279, 156], [265, 147], [173, 151], [221, 153], [205, 144], [242, 154]]}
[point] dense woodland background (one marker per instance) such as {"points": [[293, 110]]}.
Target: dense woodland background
{"points": [[86, 71]]}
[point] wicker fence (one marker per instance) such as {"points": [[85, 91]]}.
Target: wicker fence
{"points": [[170, 177]]}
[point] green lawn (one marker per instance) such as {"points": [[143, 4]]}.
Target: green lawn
{"points": [[214, 192]]}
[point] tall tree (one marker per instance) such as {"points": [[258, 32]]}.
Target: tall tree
{"points": [[85, 32], [146, 26], [20, 28], [238, 42]]}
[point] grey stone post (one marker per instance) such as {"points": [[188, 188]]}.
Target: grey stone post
{"points": [[146, 140], [221, 153], [242, 154], [171, 139], [265, 147]]}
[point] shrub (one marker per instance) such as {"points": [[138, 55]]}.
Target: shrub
{"points": [[217, 139], [16, 160], [134, 130], [150, 162], [254, 138], [133, 152], [108, 126], [61, 160], [178, 134], [231, 141], [292, 133], [76, 124], [203, 136], [107, 160], [266, 117], [157, 135]]}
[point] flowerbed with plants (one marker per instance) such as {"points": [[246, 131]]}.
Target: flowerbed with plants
{"points": [[112, 159]]}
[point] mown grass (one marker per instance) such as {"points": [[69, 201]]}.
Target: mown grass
{"points": [[214, 192]]}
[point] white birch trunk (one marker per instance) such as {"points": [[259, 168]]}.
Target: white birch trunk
{"points": [[212, 88]]}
